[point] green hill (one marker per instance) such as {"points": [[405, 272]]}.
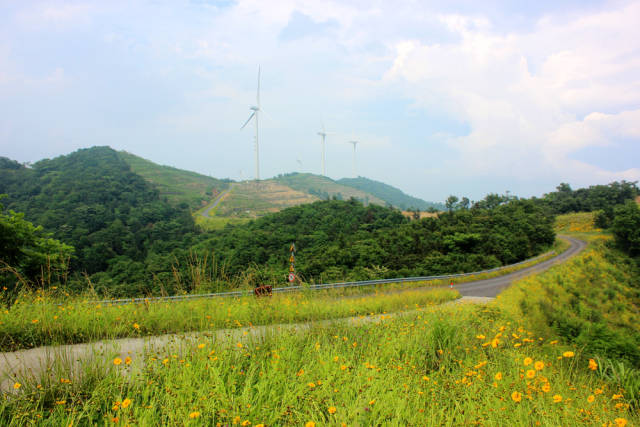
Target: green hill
{"points": [[389, 194], [326, 188], [177, 185]]}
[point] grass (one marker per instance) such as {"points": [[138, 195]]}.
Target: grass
{"points": [[459, 365], [316, 184], [36, 321], [177, 185]]}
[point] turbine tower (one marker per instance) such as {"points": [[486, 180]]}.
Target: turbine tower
{"points": [[354, 157], [254, 115], [323, 134]]}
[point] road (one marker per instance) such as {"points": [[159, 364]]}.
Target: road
{"points": [[216, 202], [34, 361]]}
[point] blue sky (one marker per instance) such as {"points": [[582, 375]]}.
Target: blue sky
{"points": [[460, 98]]}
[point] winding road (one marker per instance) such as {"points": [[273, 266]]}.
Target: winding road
{"points": [[34, 361], [216, 202]]}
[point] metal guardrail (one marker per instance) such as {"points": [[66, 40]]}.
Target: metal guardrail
{"points": [[315, 287]]}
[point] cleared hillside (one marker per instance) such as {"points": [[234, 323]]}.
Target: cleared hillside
{"points": [[326, 188], [389, 194], [177, 185]]}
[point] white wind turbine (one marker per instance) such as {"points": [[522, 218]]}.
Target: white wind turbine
{"points": [[354, 156], [254, 115], [323, 134]]}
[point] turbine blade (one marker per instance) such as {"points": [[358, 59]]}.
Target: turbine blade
{"points": [[248, 120], [258, 94]]}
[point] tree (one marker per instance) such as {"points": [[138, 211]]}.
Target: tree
{"points": [[451, 202], [626, 227]]}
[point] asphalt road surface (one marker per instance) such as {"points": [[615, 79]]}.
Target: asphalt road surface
{"points": [[216, 202]]}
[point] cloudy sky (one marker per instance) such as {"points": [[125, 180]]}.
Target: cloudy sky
{"points": [[460, 98]]}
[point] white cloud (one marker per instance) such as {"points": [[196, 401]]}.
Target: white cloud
{"points": [[521, 94]]}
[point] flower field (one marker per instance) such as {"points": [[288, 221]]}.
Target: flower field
{"points": [[454, 365]]}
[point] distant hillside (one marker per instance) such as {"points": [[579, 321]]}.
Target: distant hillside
{"points": [[177, 185], [389, 194], [326, 188]]}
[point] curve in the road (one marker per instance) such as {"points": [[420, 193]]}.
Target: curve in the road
{"points": [[492, 287]]}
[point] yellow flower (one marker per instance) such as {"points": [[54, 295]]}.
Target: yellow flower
{"points": [[591, 398], [136, 326], [311, 385], [60, 402], [332, 410], [165, 361], [201, 346], [310, 424], [557, 398], [260, 425], [516, 396], [371, 402], [528, 361], [531, 373], [568, 354], [425, 378], [246, 423], [616, 397], [239, 345], [546, 387], [593, 365], [34, 321], [342, 368], [127, 360], [620, 422], [195, 414], [480, 337], [300, 372], [480, 365], [117, 361], [126, 403], [539, 365], [17, 386], [498, 376]]}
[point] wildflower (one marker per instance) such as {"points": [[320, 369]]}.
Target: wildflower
{"points": [[311, 385], [343, 367], [17, 386], [236, 420], [498, 376], [480, 337], [310, 424], [332, 410], [201, 346], [616, 397], [553, 342], [593, 365], [546, 387], [539, 365], [126, 403], [620, 422], [528, 361], [598, 391], [591, 398], [568, 354], [195, 414], [246, 423], [127, 360], [480, 365], [115, 419], [371, 402], [165, 361], [60, 402], [557, 398], [425, 378], [516, 396], [239, 345], [300, 373], [260, 425], [531, 373], [136, 326], [117, 361], [34, 321]]}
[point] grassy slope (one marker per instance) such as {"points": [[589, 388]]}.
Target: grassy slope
{"points": [[176, 184], [316, 184], [389, 194]]}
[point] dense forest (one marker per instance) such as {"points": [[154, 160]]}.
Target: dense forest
{"points": [[89, 212]]}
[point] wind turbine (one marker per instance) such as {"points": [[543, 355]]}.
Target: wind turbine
{"points": [[323, 134], [254, 115], [354, 156]]}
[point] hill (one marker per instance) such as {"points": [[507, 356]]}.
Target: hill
{"points": [[326, 188], [92, 200], [177, 185], [389, 194]]}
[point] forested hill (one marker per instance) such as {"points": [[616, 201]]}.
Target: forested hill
{"points": [[92, 200], [345, 240], [389, 194]]}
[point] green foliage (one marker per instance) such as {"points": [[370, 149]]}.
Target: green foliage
{"points": [[389, 194], [28, 254], [346, 240], [596, 197], [626, 228], [92, 200]]}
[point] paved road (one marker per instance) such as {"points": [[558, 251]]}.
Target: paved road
{"points": [[33, 361], [216, 202], [492, 287]]}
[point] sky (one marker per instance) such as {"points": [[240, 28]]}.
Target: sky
{"points": [[447, 98]]}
